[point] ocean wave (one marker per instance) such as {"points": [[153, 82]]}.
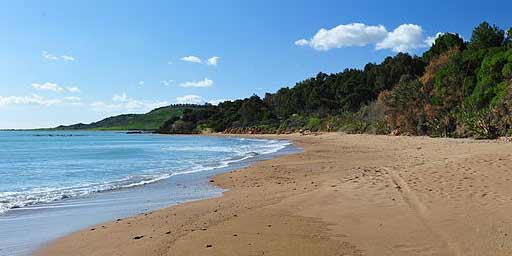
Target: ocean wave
{"points": [[14, 200], [198, 148], [35, 196]]}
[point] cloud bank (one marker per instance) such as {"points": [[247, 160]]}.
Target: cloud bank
{"points": [[404, 38], [49, 86], [33, 99]]}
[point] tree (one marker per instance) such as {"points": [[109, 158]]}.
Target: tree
{"points": [[444, 43], [486, 36], [387, 74], [491, 76], [404, 105], [252, 111]]}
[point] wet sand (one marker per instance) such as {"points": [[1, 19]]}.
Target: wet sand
{"points": [[344, 195]]}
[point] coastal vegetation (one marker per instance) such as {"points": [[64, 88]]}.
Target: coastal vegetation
{"points": [[457, 88]]}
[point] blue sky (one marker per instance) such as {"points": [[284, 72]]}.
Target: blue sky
{"points": [[64, 62]]}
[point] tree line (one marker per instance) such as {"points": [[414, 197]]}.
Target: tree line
{"points": [[456, 89]]}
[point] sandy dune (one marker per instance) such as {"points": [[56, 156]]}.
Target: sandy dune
{"points": [[345, 195]]}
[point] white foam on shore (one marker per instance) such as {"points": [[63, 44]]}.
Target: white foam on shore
{"points": [[10, 200]]}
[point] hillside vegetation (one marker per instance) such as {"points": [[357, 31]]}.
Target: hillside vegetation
{"points": [[456, 88], [147, 122]]}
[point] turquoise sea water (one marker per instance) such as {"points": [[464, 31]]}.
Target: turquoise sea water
{"points": [[38, 167], [55, 183]]}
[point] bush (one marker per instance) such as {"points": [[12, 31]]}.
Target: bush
{"points": [[507, 71], [404, 106], [313, 124], [480, 124], [292, 124]]}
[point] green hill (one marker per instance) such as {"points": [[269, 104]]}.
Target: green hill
{"points": [[150, 121]]}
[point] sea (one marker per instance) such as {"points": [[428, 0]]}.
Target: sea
{"points": [[53, 183]]}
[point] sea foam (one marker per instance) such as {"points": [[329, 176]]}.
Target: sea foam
{"points": [[82, 163]]}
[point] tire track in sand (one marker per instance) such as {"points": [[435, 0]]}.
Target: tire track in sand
{"points": [[420, 209]]}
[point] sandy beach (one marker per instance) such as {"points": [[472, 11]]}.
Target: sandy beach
{"points": [[344, 195]]}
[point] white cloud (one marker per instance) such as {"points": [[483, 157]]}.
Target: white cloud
{"points": [[141, 83], [404, 38], [72, 98], [354, 34], [120, 97], [33, 99], [192, 59], [121, 103], [49, 56], [68, 58], [213, 61], [169, 63], [48, 86], [190, 99], [302, 42], [73, 89], [166, 82], [203, 83], [74, 101]]}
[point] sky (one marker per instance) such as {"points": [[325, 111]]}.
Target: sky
{"points": [[65, 62]]}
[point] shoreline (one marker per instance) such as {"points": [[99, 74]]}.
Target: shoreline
{"points": [[345, 194], [64, 217]]}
